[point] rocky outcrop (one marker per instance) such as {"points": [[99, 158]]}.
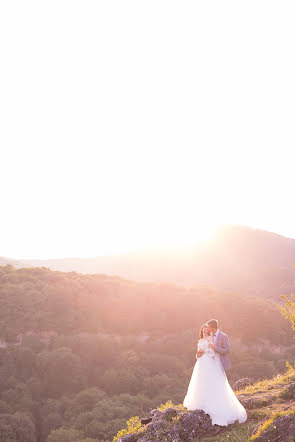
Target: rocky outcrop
{"points": [[269, 404], [289, 391], [242, 383], [255, 400], [282, 429], [175, 425]]}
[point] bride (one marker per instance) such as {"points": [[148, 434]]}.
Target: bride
{"points": [[209, 389]]}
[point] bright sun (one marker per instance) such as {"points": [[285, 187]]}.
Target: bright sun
{"points": [[174, 236]]}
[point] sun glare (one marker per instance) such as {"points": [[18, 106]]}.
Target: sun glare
{"points": [[175, 237]]}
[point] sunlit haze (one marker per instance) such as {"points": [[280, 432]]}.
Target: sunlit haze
{"points": [[130, 124]]}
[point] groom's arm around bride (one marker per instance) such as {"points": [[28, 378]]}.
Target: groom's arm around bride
{"points": [[222, 346]]}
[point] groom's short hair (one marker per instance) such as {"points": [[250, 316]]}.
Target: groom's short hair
{"points": [[213, 323]]}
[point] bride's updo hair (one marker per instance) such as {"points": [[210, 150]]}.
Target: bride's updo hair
{"points": [[201, 334]]}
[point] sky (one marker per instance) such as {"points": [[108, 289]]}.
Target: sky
{"points": [[143, 124]]}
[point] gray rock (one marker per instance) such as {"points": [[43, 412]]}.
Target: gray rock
{"points": [[155, 428], [191, 425], [175, 434], [169, 413], [283, 430], [145, 439], [132, 437], [196, 423], [289, 391], [157, 415], [145, 420], [169, 437], [242, 383], [153, 434], [251, 402], [289, 406]]}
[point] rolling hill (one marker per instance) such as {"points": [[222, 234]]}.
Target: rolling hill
{"points": [[245, 260]]}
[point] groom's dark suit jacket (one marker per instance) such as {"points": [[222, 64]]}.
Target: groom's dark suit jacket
{"points": [[222, 347]]}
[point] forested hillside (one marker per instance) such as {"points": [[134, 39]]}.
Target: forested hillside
{"points": [[86, 352], [245, 260], [38, 299]]}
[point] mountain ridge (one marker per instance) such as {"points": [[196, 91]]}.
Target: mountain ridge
{"points": [[250, 261]]}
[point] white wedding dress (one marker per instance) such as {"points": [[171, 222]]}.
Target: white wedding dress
{"points": [[209, 390]]}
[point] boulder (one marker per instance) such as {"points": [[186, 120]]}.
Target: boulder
{"points": [[282, 429], [145, 420], [167, 414], [250, 402], [289, 391], [242, 383], [145, 439], [292, 405], [190, 426], [196, 423], [132, 437]]}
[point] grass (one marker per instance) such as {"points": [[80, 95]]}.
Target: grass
{"points": [[258, 414], [288, 393], [133, 426], [268, 424], [269, 384], [234, 433]]}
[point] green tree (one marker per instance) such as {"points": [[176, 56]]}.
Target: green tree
{"points": [[17, 427], [288, 311], [120, 380], [59, 370], [65, 435]]}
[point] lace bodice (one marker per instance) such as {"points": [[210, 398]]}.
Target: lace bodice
{"points": [[203, 345]]}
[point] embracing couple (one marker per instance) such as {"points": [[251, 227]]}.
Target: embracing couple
{"points": [[209, 389]]}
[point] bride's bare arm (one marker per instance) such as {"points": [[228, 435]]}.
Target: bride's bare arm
{"points": [[199, 352]]}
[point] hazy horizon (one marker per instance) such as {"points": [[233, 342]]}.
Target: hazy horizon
{"points": [[146, 250]]}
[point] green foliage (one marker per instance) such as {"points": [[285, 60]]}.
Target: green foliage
{"points": [[4, 408], [17, 427], [40, 300], [59, 370], [288, 311], [65, 435], [120, 380], [268, 384], [133, 426], [167, 404]]}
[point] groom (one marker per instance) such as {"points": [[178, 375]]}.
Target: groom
{"points": [[221, 343]]}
